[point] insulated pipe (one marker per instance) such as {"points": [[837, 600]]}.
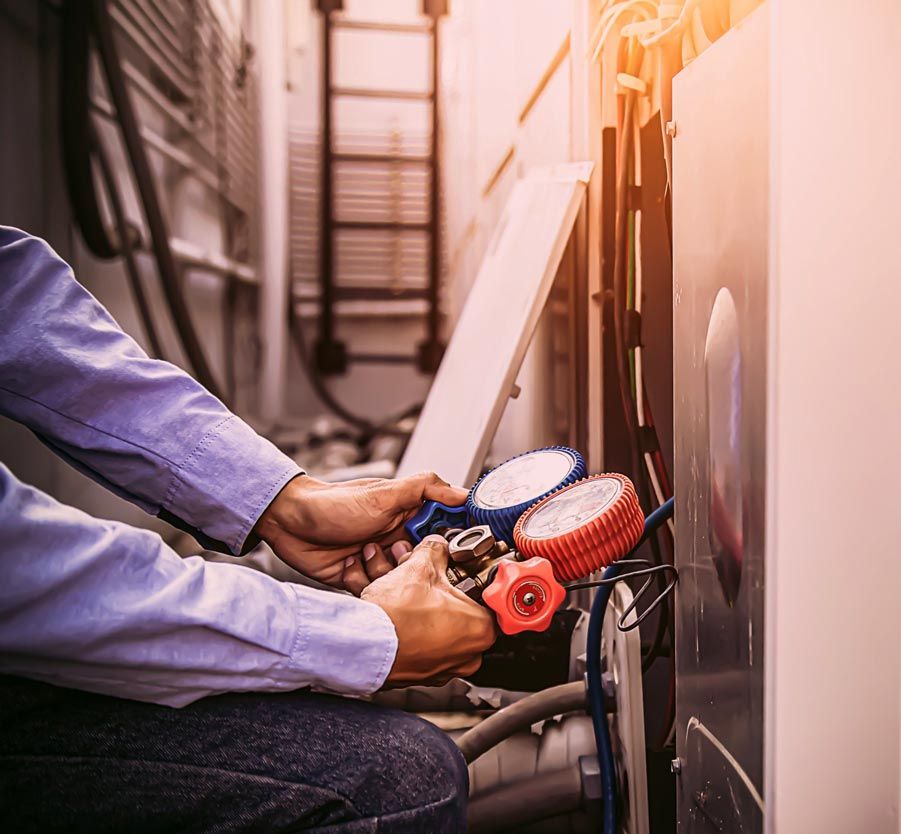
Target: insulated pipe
{"points": [[511, 806], [521, 715], [272, 220]]}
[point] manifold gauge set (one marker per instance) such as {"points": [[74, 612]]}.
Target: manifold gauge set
{"points": [[528, 525]]}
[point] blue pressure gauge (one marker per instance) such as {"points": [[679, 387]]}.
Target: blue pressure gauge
{"points": [[502, 495]]}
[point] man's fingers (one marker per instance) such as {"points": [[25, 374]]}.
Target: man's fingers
{"points": [[438, 490], [432, 549], [401, 551], [354, 577], [375, 562], [411, 491]]}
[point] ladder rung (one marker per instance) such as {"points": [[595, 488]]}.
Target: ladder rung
{"points": [[366, 92], [375, 26], [382, 157], [382, 358], [382, 225], [379, 293]]}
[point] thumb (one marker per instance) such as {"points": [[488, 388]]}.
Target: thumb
{"points": [[432, 551], [427, 486]]}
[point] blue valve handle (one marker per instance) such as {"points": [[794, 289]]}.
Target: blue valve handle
{"points": [[433, 514]]}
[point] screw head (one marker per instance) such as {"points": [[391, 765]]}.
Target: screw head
{"points": [[528, 598]]}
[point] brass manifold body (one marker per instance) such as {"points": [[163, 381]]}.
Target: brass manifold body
{"points": [[474, 556]]}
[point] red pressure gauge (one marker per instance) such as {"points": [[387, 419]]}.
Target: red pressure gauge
{"points": [[582, 527]]}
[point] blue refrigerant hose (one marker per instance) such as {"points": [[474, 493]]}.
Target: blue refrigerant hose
{"points": [[595, 687]]}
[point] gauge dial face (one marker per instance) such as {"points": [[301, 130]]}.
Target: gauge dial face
{"points": [[572, 508], [523, 479]]}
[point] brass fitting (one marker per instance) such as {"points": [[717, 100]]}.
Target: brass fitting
{"points": [[474, 553]]}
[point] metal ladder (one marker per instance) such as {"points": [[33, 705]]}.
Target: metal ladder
{"points": [[331, 354]]}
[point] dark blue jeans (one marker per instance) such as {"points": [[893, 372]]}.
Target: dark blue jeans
{"points": [[74, 761]]}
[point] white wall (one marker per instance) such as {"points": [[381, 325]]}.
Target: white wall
{"points": [[496, 51], [495, 54]]}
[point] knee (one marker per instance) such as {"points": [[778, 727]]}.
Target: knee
{"points": [[416, 771], [430, 756]]}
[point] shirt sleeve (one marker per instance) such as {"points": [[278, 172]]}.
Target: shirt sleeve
{"points": [[140, 426], [104, 607]]}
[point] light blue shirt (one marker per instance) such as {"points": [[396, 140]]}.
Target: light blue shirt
{"points": [[109, 608]]}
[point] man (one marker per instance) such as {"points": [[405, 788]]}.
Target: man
{"points": [[104, 629]]}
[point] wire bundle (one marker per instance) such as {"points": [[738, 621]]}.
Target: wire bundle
{"points": [[633, 29]]}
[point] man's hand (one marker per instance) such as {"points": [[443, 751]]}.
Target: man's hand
{"points": [[441, 633], [346, 534]]}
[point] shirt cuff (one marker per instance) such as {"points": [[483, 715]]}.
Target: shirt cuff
{"points": [[227, 481], [348, 645]]}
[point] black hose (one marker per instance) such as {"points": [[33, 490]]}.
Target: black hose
{"points": [[126, 247], [156, 222], [630, 413], [75, 128], [567, 697], [369, 428], [619, 283], [510, 807]]}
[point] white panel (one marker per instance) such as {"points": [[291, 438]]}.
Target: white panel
{"points": [[834, 451], [474, 381]]}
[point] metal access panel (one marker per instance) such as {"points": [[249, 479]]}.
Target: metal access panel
{"points": [[720, 196]]}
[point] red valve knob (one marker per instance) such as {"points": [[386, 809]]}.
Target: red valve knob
{"points": [[524, 595]]}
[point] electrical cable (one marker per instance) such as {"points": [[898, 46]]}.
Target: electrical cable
{"points": [[595, 684], [609, 19], [651, 572], [649, 482], [640, 393], [627, 255], [125, 247], [676, 27], [156, 222], [657, 645], [652, 462], [619, 280], [694, 723], [621, 266]]}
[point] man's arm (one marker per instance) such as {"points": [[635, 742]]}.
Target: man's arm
{"points": [[101, 606], [141, 427]]}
